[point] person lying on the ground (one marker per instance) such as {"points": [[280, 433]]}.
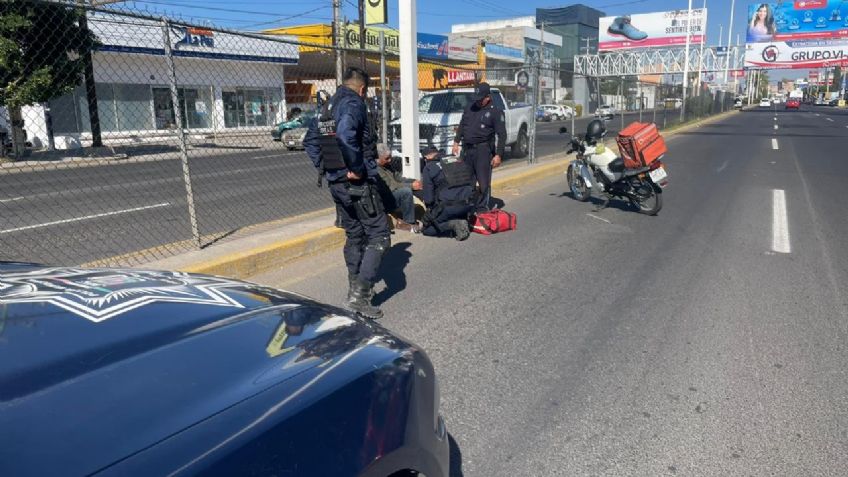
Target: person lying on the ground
{"points": [[448, 195], [401, 191]]}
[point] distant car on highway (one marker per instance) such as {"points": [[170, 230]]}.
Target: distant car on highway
{"points": [[558, 111], [133, 372], [833, 102], [605, 112], [301, 121], [793, 103], [765, 103]]}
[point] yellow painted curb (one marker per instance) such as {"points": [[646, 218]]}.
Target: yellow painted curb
{"points": [[271, 256]]}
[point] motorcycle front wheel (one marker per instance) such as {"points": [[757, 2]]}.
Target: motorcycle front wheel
{"points": [[648, 198], [577, 185]]}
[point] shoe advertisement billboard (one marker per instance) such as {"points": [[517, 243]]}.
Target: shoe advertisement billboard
{"points": [[646, 30]]}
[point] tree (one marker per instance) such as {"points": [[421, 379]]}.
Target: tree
{"points": [[762, 84], [42, 52]]}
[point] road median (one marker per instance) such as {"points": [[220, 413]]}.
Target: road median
{"points": [[272, 249]]}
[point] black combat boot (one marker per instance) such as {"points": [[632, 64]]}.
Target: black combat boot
{"points": [[351, 284], [460, 229], [360, 300]]}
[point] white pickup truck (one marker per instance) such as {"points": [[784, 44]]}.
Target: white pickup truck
{"points": [[439, 114]]}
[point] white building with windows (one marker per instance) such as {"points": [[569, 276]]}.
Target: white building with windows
{"points": [[226, 83]]}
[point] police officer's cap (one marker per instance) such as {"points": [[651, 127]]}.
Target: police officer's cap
{"points": [[482, 91]]}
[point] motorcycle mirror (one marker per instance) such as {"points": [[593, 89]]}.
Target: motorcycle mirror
{"points": [[563, 130]]}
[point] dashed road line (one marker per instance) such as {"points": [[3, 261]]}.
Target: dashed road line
{"points": [[723, 166], [14, 199], [780, 223], [86, 217], [775, 126], [829, 119], [774, 144]]}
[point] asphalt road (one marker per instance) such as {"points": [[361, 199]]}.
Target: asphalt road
{"points": [[709, 340], [77, 215]]}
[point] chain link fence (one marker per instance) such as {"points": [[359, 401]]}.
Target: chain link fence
{"points": [[128, 137]]}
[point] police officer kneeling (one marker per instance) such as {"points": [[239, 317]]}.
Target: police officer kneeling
{"points": [[447, 192], [338, 144]]}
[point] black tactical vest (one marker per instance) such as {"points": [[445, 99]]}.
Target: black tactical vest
{"points": [[331, 154], [457, 172]]}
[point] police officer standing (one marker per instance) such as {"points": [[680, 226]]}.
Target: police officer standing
{"points": [[339, 144], [481, 122]]}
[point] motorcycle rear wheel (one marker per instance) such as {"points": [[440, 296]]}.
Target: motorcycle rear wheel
{"points": [[577, 185], [648, 199]]}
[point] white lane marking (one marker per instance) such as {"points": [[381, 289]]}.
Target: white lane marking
{"points": [[780, 223], [817, 114], [723, 166], [13, 199], [775, 126], [774, 144], [87, 217], [829, 119], [775, 118], [599, 218]]}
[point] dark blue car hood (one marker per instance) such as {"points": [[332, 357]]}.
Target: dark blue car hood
{"points": [[96, 365]]}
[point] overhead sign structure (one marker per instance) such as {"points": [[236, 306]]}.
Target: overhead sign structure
{"points": [[660, 29], [376, 12]]}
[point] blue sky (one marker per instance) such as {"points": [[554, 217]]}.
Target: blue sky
{"points": [[434, 16]]}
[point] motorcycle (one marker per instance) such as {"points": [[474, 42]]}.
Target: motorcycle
{"points": [[598, 168]]}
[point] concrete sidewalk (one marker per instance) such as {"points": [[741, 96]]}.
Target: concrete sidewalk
{"points": [[273, 248]]}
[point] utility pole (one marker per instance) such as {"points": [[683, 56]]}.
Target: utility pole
{"points": [[686, 62], [701, 53], [729, 33], [362, 33], [541, 62], [90, 89], [337, 34]]}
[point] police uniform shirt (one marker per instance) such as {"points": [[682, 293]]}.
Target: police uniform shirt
{"points": [[481, 124]]}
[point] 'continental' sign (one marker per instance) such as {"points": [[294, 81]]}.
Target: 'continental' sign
{"points": [[372, 38]]}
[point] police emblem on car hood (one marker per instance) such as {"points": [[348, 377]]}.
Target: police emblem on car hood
{"points": [[98, 295]]}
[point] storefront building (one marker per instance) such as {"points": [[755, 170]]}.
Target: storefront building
{"points": [[225, 82]]}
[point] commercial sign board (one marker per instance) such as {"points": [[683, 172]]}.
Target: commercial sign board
{"points": [[461, 77], [372, 38], [432, 46], [376, 12], [500, 52], [660, 29], [797, 54], [464, 49], [799, 20], [133, 35]]}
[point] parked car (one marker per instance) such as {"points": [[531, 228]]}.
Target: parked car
{"points": [[765, 103], [793, 103], [543, 115], [133, 372], [833, 102], [439, 113], [293, 138], [298, 122], [605, 112], [737, 104], [558, 111]]}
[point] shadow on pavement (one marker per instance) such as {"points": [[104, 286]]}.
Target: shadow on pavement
{"points": [[615, 203], [392, 272], [455, 458]]}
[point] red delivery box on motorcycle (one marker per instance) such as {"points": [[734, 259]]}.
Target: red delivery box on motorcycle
{"points": [[640, 144]]}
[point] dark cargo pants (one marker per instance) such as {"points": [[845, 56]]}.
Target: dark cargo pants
{"points": [[368, 236], [479, 157]]}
